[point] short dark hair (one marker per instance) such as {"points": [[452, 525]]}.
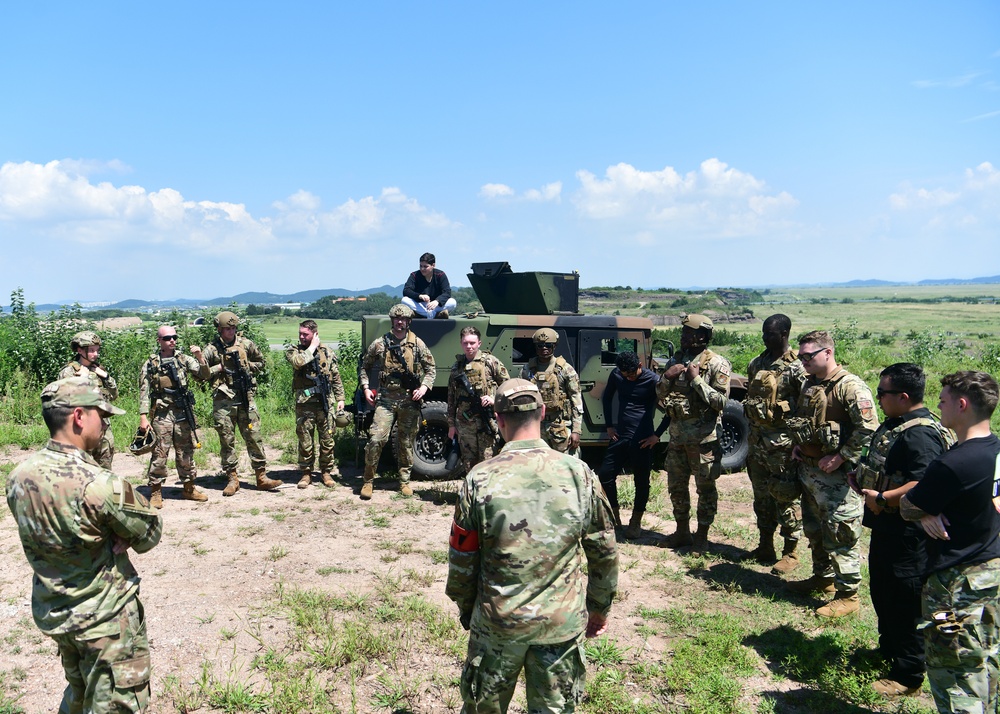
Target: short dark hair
{"points": [[470, 330], [978, 387], [309, 325], [908, 377], [627, 361], [779, 322], [55, 418], [428, 258]]}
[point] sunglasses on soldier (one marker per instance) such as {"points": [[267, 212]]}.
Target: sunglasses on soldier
{"points": [[807, 357]]}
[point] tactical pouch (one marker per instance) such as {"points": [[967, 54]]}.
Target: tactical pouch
{"points": [[165, 382], [829, 436], [869, 478], [800, 430]]}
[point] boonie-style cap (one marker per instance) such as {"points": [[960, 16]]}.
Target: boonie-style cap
{"points": [[503, 400], [77, 392], [697, 321]]}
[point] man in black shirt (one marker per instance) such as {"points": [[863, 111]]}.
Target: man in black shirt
{"points": [[956, 505], [427, 291], [631, 433], [899, 452]]}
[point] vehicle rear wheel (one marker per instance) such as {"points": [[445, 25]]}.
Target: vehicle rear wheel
{"points": [[431, 447], [735, 437]]}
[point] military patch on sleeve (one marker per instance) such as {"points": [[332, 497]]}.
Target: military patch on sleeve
{"points": [[128, 499], [462, 540], [867, 408]]}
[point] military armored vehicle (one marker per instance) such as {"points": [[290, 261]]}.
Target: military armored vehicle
{"points": [[515, 305]]}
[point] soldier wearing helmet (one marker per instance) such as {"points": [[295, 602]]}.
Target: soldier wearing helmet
{"points": [[406, 371], [87, 346], [694, 389], [314, 363], [234, 361], [560, 387]]}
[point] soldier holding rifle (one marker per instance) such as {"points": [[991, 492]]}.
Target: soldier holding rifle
{"points": [[87, 346], [474, 378]]}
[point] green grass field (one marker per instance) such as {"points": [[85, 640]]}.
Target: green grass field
{"points": [[286, 329]]}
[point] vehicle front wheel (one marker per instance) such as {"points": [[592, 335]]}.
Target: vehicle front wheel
{"points": [[735, 437], [431, 447]]}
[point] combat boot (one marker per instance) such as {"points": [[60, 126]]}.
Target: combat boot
{"points": [[156, 496], [699, 543], [405, 489], [234, 484], [789, 560], [764, 552], [190, 493], [305, 480], [813, 584], [328, 479], [680, 537], [617, 516], [840, 606], [634, 529], [264, 483], [443, 315], [892, 688], [366, 490]]}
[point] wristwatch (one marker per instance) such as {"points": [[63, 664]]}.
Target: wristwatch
{"points": [[880, 500]]}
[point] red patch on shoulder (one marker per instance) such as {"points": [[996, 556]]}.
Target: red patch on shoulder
{"points": [[462, 540]]}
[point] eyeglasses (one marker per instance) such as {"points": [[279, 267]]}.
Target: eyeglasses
{"points": [[546, 345], [879, 392], [167, 338], [807, 357]]}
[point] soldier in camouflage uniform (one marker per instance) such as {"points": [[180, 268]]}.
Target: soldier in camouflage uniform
{"points": [[560, 388], [524, 523], [774, 379], [158, 391], [311, 362], [87, 346], [470, 413], [956, 504], [406, 371], [835, 419], [694, 389], [76, 522], [230, 408]]}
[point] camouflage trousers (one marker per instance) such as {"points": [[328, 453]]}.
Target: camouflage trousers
{"points": [[229, 416], [704, 462], [475, 443], [172, 429], [557, 434], [107, 665], [961, 623], [776, 490], [310, 419], [553, 675], [104, 454], [831, 521], [406, 414]]}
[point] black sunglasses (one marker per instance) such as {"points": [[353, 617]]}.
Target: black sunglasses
{"points": [[807, 357]]}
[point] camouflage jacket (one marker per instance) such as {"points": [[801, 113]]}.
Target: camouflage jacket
{"points": [[485, 374], [524, 522], [560, 387], [304, 365], [849, 420], [418, 359], [221, 365], [154, 381], [767, 415], [695, 406], [73, 368], [68, 512]]}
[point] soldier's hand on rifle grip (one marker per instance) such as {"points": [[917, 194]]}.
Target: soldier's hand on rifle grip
{"points": [[370, 397]]}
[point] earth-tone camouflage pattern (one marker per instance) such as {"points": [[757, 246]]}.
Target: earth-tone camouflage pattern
{"points": [[531, 516], [69, 512], [310, 418], [961, 622], [554, 675], [485, 373], [831, 509], [167, 421], [871, 469], [228, 413], [559, 385], [776, 487], [104, 454], [394, 401], [704, 462]]}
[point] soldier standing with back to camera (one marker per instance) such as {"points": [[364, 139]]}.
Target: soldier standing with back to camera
{"points": [[158, 392], [694, 389], [559, 385], [835, 419], [233, 361], [87, 346], [406, 372], [474, 378], [313, 363], [774, 380]]}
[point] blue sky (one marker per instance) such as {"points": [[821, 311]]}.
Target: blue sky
{"points": [[162, 150]]}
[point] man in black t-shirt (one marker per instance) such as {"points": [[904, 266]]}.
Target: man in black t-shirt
{"points": [[955, 504], [427, 291]]}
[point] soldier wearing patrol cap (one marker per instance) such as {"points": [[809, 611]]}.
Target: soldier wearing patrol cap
{"points": [[693, 389], [77, 522], [559, 385], [87, 346], [234, 361], [406, 372]]}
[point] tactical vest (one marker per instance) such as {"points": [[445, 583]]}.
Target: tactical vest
{"points": [[822, 423], [548, 382], [767, 403], [159, 378], [224, 375], [871, 470], [394, 368], [301, 377], [102, 382], [678, 402], [477, 373]]}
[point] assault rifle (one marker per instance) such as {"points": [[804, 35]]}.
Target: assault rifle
{"points": [[477, 404], [322, 382], [407, 377], [183, 399], [242, 382]]}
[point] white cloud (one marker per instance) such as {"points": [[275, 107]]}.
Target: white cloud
{"points": [[496, 190], [980, 117], [550, 192], [966, 208], [962, 80]]}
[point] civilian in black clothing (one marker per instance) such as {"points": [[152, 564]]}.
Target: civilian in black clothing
{"points": [[631, 432], [898, 454], [427, 291]]}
